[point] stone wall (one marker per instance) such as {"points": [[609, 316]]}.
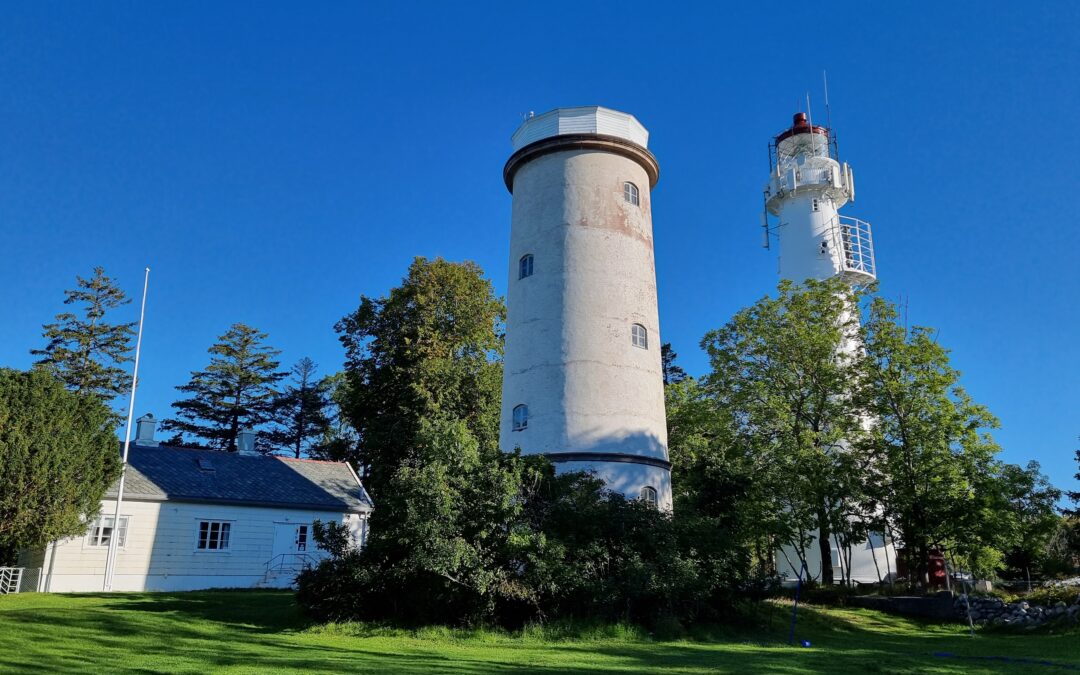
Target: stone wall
{"points": [[997, 612]]}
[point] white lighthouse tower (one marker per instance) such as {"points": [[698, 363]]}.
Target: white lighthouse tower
{"points": [[806, 188], [582, 380]]}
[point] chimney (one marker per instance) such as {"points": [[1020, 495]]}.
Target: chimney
{"points": [[245, 442], [144, 430]]}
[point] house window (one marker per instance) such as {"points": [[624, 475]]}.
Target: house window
{"points": [[648, 495], [525, 266], [521, 417], [630, 193], [101, 532], [213, 535], [639, 336], [301, 537]]}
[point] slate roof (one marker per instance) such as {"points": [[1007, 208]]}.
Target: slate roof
{"points": [[165, 473]]}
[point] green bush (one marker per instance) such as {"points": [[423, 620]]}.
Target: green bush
{"points": [[1050, 595]]}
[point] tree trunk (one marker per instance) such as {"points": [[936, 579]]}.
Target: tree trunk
{"points": [[825, 548]]}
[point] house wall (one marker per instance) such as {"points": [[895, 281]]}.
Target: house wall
{"points": [[160, 551]]}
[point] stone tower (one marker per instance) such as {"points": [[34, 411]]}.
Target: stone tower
{"points": [[582, 380]]}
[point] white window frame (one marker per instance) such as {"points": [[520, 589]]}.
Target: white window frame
{"points": [[650, 496], [631, 194], [525, 266], [639, 336], [306, 539], [520, 417], [210, 522], [94, 535]]}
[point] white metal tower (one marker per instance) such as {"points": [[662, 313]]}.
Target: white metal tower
{"points": [[582, 378]]}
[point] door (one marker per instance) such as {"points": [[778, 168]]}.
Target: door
{"points": [[291, 538]]}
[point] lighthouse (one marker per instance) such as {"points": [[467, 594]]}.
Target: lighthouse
{"points": [[582, 381], [807, 186]]}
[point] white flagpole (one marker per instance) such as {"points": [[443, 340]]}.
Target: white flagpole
{"points": [[114, 535]]}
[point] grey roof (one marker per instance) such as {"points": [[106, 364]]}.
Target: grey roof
{"points": [[160, 473]]}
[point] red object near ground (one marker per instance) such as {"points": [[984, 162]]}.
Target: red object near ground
{"points": [[936, 567]]}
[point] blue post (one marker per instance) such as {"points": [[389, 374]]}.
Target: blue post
{"points": [[795, 607]]}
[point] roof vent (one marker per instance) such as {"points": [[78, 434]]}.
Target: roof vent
{"points": [[205, 464]]}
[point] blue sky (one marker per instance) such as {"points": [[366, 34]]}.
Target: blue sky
{"points": [[271, 163]]}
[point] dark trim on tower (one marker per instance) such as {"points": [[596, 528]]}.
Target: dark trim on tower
{"points": [[608, 457], [613, 144]]}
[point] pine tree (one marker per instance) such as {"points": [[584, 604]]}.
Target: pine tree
{"points": [[300, 412], [236, 391], [672, 371], [86, 352]]}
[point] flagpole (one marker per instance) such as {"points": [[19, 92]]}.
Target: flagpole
{"points": [[114, 535]]}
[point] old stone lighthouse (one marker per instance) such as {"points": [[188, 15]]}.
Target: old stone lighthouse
{"points": [[582, 375]]}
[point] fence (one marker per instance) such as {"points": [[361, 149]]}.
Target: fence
{"points": [[19, 579]]}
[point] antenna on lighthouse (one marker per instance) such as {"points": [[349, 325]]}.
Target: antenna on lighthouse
{"points": [[828, 113]]}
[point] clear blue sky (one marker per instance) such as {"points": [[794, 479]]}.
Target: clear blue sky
{"points": [[272, 163]]}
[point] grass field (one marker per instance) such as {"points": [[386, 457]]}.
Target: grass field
{"points": [[262, 631]]}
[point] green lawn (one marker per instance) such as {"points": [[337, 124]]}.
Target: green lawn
{"points": [[261, 631]]}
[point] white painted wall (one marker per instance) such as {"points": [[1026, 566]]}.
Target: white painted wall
{"points": [[160, 551], [569, 354], [871, 561]]}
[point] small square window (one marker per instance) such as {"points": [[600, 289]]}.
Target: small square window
{"points": [[213, 535], [101, 530]]}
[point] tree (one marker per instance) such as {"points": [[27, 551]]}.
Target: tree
{"points": [[782, 373], [84, 350], [58, 456], [933, 457], [1074, 495], [428, 351], [1026, 501], [300, 412], [236, 391], [673, 373]]}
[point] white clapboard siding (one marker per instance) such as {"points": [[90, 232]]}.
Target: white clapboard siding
{"points": [[160, 551]]}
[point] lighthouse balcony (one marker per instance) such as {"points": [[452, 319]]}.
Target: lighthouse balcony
{"points": [[854, 240]]}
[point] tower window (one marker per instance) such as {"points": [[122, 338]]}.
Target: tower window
{"points": [[521, 417], [525, 266], [814, 203], [639, 336], [648, 495], [630, 193]]}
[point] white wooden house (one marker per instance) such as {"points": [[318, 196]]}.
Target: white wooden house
{"points": [[195, 519]]}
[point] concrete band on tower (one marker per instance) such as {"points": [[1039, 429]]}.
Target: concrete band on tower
{"points": [[583, 381]]}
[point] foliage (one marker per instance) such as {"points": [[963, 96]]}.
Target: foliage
{"points": [[781, 382], [933, 471], [673, 372], [1047, 596], [58, 456], [300, 418], [84, 350], [426, 352], [235, 392], [1074, 495]]}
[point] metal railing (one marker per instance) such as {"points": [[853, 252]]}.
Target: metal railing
{"points": [[289, 562], [10, 579], [853, 238]]}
